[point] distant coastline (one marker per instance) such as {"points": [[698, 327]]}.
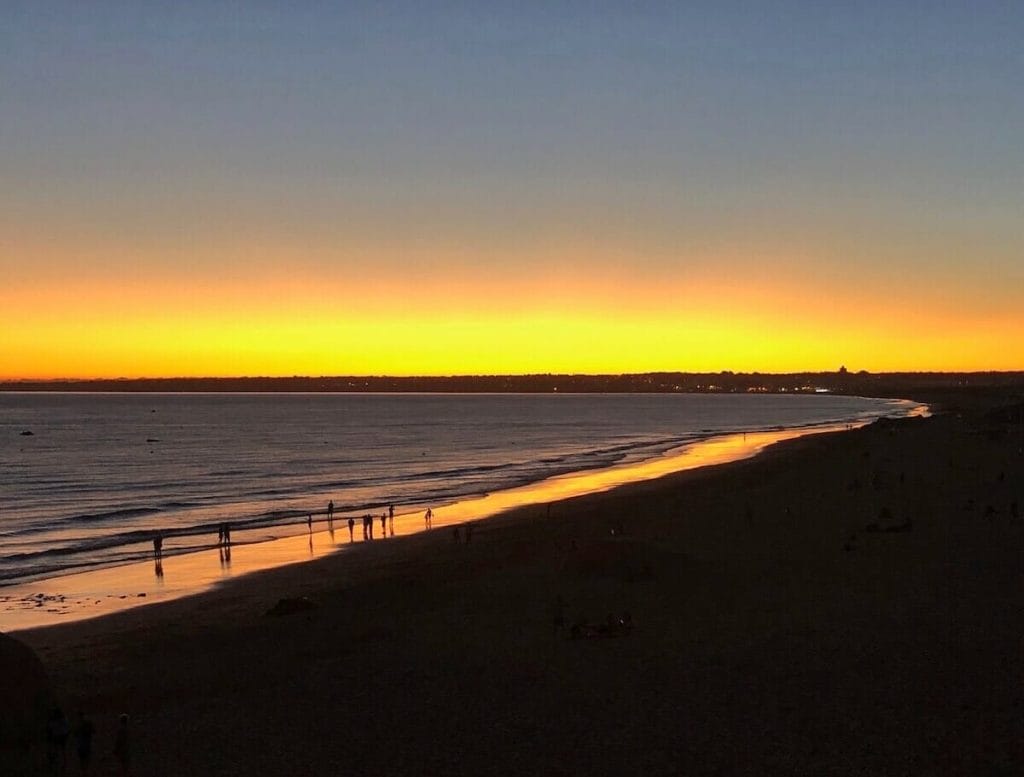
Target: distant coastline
{"points": [[839, 382]]}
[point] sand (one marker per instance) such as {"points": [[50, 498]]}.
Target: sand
{"points": [[848, 603]]}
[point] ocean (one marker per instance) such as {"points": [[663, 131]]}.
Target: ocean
{"points": [[100, 473]]}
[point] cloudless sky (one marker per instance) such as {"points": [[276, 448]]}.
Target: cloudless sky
{"points": [[221, 188]]}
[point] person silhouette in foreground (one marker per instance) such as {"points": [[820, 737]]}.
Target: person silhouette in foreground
{"points": [[351, 526], [122, 748], [383, 525], [368, 525], [391, 519], [84, 731], [57, 730]]}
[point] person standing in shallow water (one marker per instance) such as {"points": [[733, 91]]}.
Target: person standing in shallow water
{"points": [[391, 519], [330, 511], [383, 524]]}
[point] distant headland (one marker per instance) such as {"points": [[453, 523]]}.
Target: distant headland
{"points": [[841, 381]]}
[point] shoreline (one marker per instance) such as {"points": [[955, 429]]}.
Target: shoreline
{"points": [[844, 604], [110, 589]]}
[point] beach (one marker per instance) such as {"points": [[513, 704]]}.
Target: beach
{"points": [[844, 603]]}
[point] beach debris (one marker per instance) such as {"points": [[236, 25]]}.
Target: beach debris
{"points": [[886, 524], [290, 605], [612, 626]]}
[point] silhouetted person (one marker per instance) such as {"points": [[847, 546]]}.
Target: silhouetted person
{"points": [[122, 746], [222, 533], [57, 730], [391, 519], [84, 731], [158, 546], [383, 524], [368, 525], [309, 523], [330, 510], [351, 526], [428, 518], [227, 534]]}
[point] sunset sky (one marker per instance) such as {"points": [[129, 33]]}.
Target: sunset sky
{"points": [[243, 188]]}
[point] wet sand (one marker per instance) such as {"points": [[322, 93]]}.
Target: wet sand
{"points": [[173, 575], [846, 603]]}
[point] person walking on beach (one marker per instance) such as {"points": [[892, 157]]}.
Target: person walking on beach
{"points": [[351, 526], [330, 511], [122, 750], [367, 527], [428, 518], [383, 524], [158, 546], [391, 519]]}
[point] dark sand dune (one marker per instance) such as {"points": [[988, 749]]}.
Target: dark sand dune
{"points": [[844, 604]]}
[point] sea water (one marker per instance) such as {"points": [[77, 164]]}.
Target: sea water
{"points": [[101, 473]]}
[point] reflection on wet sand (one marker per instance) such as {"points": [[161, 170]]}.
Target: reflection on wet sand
{"points": [[101, 591]]}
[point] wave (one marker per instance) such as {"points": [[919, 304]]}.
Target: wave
{"points": [[251, 505]]}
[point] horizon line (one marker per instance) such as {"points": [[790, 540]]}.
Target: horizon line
{"points": [[496, 375]]}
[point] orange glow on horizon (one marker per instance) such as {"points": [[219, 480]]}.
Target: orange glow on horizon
{"points": [[565, 312]]}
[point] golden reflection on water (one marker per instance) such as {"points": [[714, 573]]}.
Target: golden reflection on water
{"points": [[102, 591]]}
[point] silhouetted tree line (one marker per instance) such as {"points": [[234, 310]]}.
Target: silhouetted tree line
{"points": [[839, 382]]}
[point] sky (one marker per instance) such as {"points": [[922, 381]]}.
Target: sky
{"points": [[229, 188]]}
